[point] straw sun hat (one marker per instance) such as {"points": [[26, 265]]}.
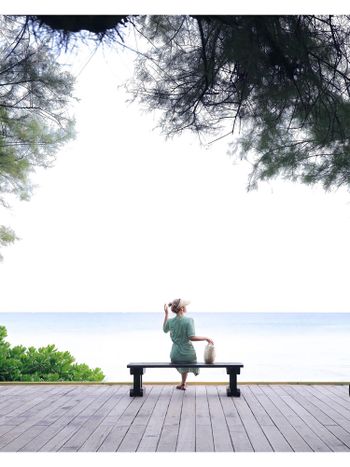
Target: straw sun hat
{"points": [[178, 303]]}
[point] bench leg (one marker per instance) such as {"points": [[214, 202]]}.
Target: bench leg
{"points": [[137, 390], [232, 390]]}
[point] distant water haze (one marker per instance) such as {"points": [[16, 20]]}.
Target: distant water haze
{"points": [[272, 346]]}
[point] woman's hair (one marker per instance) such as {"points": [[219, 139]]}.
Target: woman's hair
{"points": [[175, 305]]}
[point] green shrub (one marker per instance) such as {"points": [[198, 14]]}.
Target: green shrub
{"points": [[20, 363]]}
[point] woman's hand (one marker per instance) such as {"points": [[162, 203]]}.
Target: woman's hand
{"points": [[209, 341], [166, 310]]}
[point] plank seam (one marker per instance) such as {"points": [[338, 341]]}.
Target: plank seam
{"points": [[271, 418], [119, 394], [35, 405], [132, 421], [70, 422], [293, 396], [245, 400], [285, 417], [149, 418], [311, 428]]}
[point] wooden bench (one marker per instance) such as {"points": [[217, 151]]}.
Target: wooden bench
{"points": [[138, 369]]}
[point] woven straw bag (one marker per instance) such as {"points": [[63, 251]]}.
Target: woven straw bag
{"points": [[209, 353]]}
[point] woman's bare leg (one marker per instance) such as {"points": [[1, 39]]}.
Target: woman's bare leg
{"points": [[183, 381]]}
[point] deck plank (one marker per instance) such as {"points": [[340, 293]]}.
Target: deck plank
{"points": [[305, 411], [341, 434], [337, 404], [19, 404], [86, 428], [256, 434], [204, 432], [10, 405], [336, 417], [52, 422], [6, 399], [137, 428], [239, 436], [119, 429], [57, 420], [221, 434], [311, 437], [299, 394], [16, 390], [261, 415], [4, 429], [63, 435], [97, 418], [341, 396], [297, 443], [150, 438], [187, 428], [95, 440], [26, 428], [169, 435], [272, 432], [5, 389], [344, 390]]}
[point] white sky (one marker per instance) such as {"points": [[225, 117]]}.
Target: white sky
{"points": [[127, 220]]}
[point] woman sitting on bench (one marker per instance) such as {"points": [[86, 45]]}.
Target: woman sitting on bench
{"points": [[182, 333]]}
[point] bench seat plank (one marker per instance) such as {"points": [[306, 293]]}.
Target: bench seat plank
{"points": [[183, 364]]}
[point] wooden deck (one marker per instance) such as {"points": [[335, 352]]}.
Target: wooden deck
{"points": [[281, 418]]}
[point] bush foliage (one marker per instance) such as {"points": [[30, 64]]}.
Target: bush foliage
{"points": [[20, 363]]}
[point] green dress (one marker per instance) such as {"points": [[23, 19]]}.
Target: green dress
{"points": [[181, 329]]}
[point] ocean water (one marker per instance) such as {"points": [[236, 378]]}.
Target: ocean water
{"points": [[272, 346]]}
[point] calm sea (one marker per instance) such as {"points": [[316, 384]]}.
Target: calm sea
{"points": [[272, 346]]}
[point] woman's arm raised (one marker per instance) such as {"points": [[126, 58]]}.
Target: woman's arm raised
{"points": [[166, 311]]}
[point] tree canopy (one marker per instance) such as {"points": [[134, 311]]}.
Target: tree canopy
{"points": [[277, 87], [35, 94]]}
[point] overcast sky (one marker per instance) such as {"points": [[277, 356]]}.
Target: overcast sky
{"points": [[127, 220]]}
